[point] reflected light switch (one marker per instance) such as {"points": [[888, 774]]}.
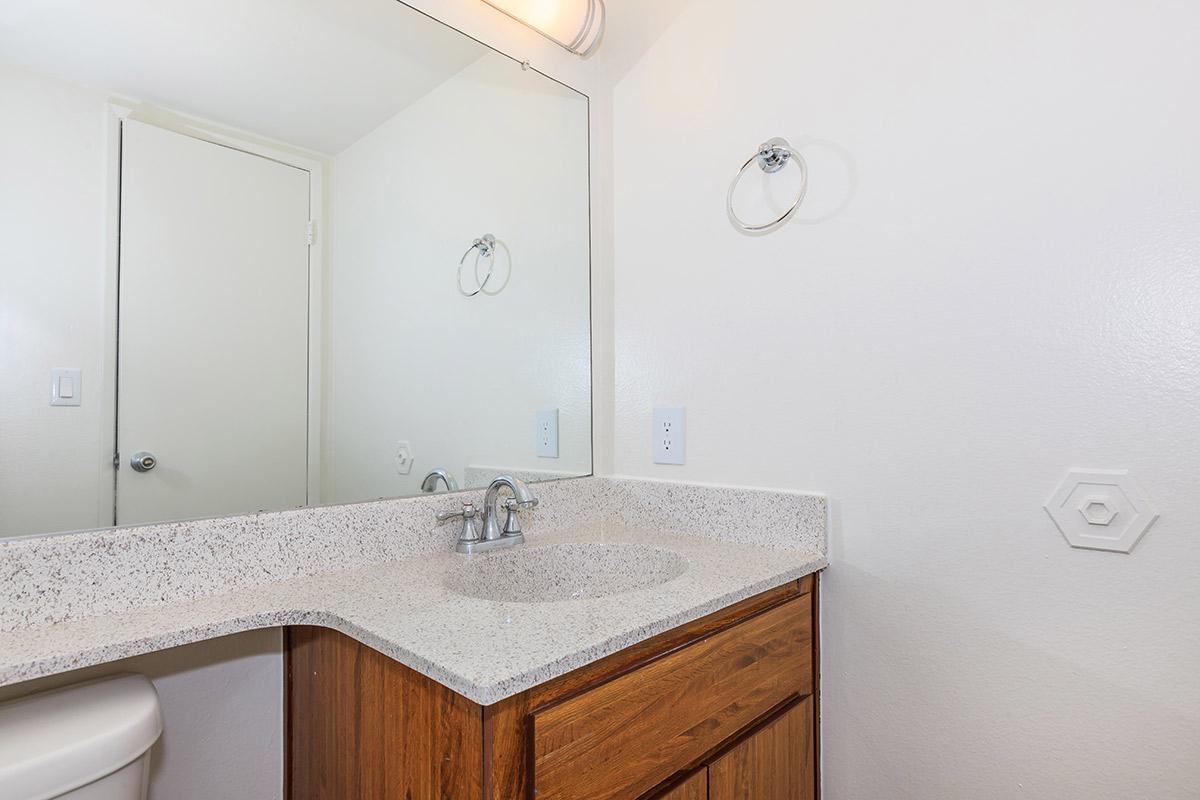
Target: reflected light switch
{"points": [[65, 387]]}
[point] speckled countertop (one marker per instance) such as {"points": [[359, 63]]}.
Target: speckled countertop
{"points": [[484, 649]]}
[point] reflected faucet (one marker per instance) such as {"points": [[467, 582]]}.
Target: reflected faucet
{"points": [[431, 481]]}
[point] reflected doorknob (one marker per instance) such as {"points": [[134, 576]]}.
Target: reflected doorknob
{"points": [[143, 461]]}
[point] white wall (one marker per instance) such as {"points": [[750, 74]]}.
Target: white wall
{"points": [[495, 149], [1011, 292], [222, 711], [53, 474]]}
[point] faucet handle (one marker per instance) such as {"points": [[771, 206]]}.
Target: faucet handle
{"points": [[469, 532], [512, 525]]}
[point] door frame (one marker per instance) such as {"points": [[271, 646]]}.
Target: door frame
{"points": [[317, 165]]}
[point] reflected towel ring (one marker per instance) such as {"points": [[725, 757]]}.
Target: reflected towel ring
{"points": [[772, 156], [485, 247], [496, 286]]}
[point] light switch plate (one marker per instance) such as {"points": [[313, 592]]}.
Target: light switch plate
{"points": [[547, 433], [66, 387], [669, 431]]}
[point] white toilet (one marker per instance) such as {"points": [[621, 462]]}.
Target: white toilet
{"points": [[90, 741]]}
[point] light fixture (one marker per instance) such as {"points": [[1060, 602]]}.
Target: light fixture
{"points": [[577, 25]]}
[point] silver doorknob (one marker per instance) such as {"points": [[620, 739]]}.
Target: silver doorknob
{"points": [[143, 461]]}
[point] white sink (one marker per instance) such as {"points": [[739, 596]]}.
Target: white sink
{"points": [[569, 571]]}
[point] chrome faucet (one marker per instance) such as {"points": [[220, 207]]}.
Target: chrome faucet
{"points": [[522, 498], [431, 481], [471, 540]]}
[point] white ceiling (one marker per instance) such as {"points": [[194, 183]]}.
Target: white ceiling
{"points": [[315, 73]]}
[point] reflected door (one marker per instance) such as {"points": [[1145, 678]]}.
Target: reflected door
{"points": [[212, 329]]}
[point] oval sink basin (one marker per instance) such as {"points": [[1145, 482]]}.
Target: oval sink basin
{"points": [[565, 572]]}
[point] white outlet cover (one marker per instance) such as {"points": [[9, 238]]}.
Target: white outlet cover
{"points": [[404, 458], [547, 433], [669, 436], [1098, 509]]}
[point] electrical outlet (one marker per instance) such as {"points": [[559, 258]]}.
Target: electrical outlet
{"points": [[547, 433], [669, 433]]}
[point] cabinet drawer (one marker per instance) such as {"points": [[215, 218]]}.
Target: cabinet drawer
{"points": [[623, 737]]}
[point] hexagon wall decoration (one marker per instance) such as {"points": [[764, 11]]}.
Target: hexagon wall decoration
{"points": [[404, 458], [1101, 509]]}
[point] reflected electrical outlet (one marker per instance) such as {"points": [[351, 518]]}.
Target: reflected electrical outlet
{"points": [[547, 433]]}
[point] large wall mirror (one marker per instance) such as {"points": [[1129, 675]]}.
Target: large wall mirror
{"points": [[281, 253]]}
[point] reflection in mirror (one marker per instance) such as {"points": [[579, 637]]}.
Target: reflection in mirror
{"points": [[274, 254]]}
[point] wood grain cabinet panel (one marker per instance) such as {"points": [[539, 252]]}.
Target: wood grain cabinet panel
{"points": [[365, 727], [625, 736], [509, 772], [777, 762], [695, 787]]}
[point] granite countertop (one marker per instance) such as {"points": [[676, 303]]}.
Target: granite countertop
{"points": [[484, 649]]}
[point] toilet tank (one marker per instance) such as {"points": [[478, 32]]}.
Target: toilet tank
{"points": [[87, 740]]}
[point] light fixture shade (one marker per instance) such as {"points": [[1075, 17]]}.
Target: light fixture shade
{"points": [[577, 25]]}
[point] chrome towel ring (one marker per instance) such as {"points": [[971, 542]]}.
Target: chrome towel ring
{"points": [[484, 247], [772, 156]]}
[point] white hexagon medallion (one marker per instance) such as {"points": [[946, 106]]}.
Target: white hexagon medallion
{"points": [[404, 458], [1101, 509]]}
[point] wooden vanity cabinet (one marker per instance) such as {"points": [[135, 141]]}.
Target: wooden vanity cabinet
{"points": [[692, 787], [776, 761], [722, 708]]}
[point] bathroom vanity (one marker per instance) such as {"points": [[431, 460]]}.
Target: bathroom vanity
{"points": [[722, 707], [648, 638]]}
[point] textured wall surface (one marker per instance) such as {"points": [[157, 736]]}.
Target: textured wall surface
{"points": [[1011, 291]]}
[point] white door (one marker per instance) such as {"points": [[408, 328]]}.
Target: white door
{"points": [[212, 329]]}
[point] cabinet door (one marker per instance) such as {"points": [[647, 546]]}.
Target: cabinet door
{"points": [[625, 736], [775, 763], [694, 788]]}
